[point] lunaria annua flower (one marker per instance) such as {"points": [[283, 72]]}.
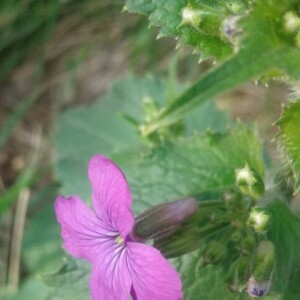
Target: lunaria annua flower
{"points": [[121, 266]]}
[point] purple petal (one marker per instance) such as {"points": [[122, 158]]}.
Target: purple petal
{"points": [[153, 277], [110, 278], [83, 233], [111, 194]]}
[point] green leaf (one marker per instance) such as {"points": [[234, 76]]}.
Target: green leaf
{"points": [[289, 137], [41, 249], [107, 127], [70, 282], [202, 282], [197, 24], [246, 65], [202, 166], [266, 48], [102, 128], [33, 288], [285, 234]]}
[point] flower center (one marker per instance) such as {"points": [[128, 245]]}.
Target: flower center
{"points": [[119, 240]]}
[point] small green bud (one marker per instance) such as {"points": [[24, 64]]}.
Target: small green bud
{"points": [[151, 109], [248, 243], [236, 236], [291, 21], [264, 262], [249, 182], [263, 266], [238, 274], [259, 220], [235, 6], [191, 16], [214, 253]]}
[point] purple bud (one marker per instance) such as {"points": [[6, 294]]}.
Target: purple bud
{"points": [[258, 289], [162, 220]]}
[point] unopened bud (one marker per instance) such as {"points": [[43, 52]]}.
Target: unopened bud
{"points": [[238, 274], [214, 253], [162, 220], [262, 270], [249, 182], [291, 21], [191, 16], [258, 289], [264, 261], [259, 220], [230, 30], [179, 243], [236, 236], [248, 243], [235, 6]]}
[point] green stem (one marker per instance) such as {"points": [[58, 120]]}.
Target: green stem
{"points": [[241, 68]]}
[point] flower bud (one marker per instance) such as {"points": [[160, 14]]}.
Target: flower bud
{"points": [[191, 16], [264, 261], [291, 21], [238, 274], [249, 182], [258, 289], [190, 235], [230, 30], [179, 243], [248, 243], [235, 6], [214, 253], [162, 220], [262, 270], [259, 220]]}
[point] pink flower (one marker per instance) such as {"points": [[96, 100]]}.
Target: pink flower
{"points": [[121, 266]]}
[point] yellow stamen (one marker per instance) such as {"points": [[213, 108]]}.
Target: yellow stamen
{"points": [[119, 240]]}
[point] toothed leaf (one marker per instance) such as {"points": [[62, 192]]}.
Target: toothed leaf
{"points": [[289, 138]]}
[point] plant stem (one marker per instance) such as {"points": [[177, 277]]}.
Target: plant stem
{"points": [[241, 68]]}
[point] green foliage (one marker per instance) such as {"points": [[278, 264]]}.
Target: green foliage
{"points": [[202, 282], [32, 288], [198, 155], [203, 25], [289, 138], [199, 24], [69, 282], [266, 47], [202, 166], [41, 234], [285, 234], [97, 128], [191, 162]]}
